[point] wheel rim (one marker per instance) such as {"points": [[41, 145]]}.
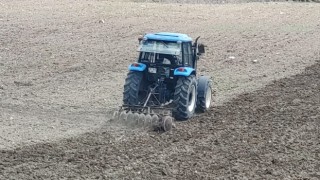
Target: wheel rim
{"points": [[192, 99], [208, 97]]}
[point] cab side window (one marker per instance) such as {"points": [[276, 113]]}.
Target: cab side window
{"points": [[187, 54]]}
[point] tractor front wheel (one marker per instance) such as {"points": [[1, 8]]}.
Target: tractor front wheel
{"points": [[185, 97], [204, 98]]}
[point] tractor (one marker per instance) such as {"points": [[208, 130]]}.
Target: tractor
{"points": [[163, 84]]}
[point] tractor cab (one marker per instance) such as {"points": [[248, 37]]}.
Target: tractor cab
{"points": [[167, 55], [168, 48]]}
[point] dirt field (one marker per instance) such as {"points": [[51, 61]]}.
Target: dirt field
{"points": [[62, 68]]}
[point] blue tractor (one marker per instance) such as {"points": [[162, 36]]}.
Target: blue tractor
{"points": [[163, 86]]}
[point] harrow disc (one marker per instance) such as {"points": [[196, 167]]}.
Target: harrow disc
{"points": [[135, 119], [148, 120], [115, 115], [136, 116], [129, 116], [142, 119], [155, 120], [166, 123], [123, 116]]}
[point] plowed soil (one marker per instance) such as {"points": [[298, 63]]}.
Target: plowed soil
{"points": [[62, 68]]}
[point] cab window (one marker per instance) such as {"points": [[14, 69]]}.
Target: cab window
{"points": [[187, 54]]}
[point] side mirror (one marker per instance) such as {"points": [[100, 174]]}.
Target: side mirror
{"points": [[201, 49], [140, 38]]}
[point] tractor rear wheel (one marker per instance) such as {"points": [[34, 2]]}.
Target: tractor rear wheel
{"points": [[185, 97], [132, 94]]}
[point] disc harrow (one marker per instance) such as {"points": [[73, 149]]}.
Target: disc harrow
{"points": [[159, 118]]}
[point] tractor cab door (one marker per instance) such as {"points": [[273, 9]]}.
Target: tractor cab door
{"points": [[187, 55]]}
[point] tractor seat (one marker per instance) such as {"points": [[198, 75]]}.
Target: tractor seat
{"points": [[166, 61]]}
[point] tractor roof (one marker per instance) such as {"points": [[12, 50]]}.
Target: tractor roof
{"points": [[167, 36]]}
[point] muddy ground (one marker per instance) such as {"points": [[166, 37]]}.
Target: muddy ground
{"points": [[62, 68], [272, 133]]}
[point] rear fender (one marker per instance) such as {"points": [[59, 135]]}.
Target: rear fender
{"points": [[183, 71], [137, 67]]}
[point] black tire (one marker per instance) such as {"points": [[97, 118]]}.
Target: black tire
{"points": [[204, 98], [185, 96], [132, 86]]}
